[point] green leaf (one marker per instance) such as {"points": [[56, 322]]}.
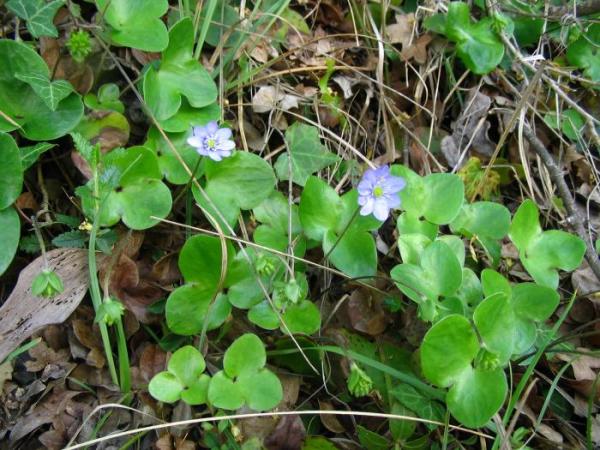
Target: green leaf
{"points": [[477, 44], [494, 283], [262, 389], [188, 116], [134, 191], [423, 406], [320, 208], [444, 196], [571, 123], [354, 253], [106, 100], [197, 393], [486, 219], [179, 75], [477, 396], [411, 247], [584, 54], [187, 308], [168, 162], [27, 111], [368, 439], [525, 225], [262, 314], [51, 92], [553, 249], [275, 211], [534, 302], [439, 274], [136, 23], [71, 239], [302, 317], [165, 387], [200, 260], [241, 181], [245, 355], [307, 154], [494, 320], [448, 349], [10, 231], [30, 154], [187, 364], [410, 224], [11, 171], [39, 15], [224, 393]]}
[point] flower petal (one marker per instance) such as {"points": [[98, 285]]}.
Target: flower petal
{"points": [[226, 145], [380, 209], [393, 184], [211, 127], [195, 141], [367, 208], [223, 134], [214, 156]]}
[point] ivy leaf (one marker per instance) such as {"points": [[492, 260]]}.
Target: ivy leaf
{"points": [[38, 14], [178, 75], [21, 103], [136, 23], [307, 154], [51, 92]]}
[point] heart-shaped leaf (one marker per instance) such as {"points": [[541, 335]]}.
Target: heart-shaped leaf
{"points": [[494, 318], [486, 219], [200, 260], [542, 253], [178, 75], [136, 23], [302, 317], [22, 107], [305, 156]]}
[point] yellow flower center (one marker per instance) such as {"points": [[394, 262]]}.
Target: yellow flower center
{"points": [[378, 191], [210, 142]]}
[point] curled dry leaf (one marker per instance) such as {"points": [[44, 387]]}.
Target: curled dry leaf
{"points": [[268, 98], [472, 127], [23, 313]]}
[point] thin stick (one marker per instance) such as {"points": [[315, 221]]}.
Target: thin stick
{"points": [[254, 415]]}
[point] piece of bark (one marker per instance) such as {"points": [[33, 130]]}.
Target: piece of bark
{"points": [[23, 313]]}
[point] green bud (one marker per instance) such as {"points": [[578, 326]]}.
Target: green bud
{"points": [[47, 284], [79, 45], [359, 383], [110, 311], [292, 291], [264, 265], [488, 361]]}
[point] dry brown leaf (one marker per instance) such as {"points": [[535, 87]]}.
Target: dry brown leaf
{"points": [[289, 434], [472, 127], [6, 371], [23, 314], [330, 421], [401, 32], [583, 365], [152, 361], [365, 312], [417, 50]]}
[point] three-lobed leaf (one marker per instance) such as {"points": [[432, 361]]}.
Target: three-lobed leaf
{"points": [[39, 15]]}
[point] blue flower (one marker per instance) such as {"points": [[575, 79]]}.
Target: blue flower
{"points": [[378, 192], [212, 141]]}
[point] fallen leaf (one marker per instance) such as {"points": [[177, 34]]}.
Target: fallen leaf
{"points": [[23, 313], [582, 365], [401, 32], [365, 312]]}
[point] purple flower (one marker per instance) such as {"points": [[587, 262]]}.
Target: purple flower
{"points": [[212, 141], [378, 192]]}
